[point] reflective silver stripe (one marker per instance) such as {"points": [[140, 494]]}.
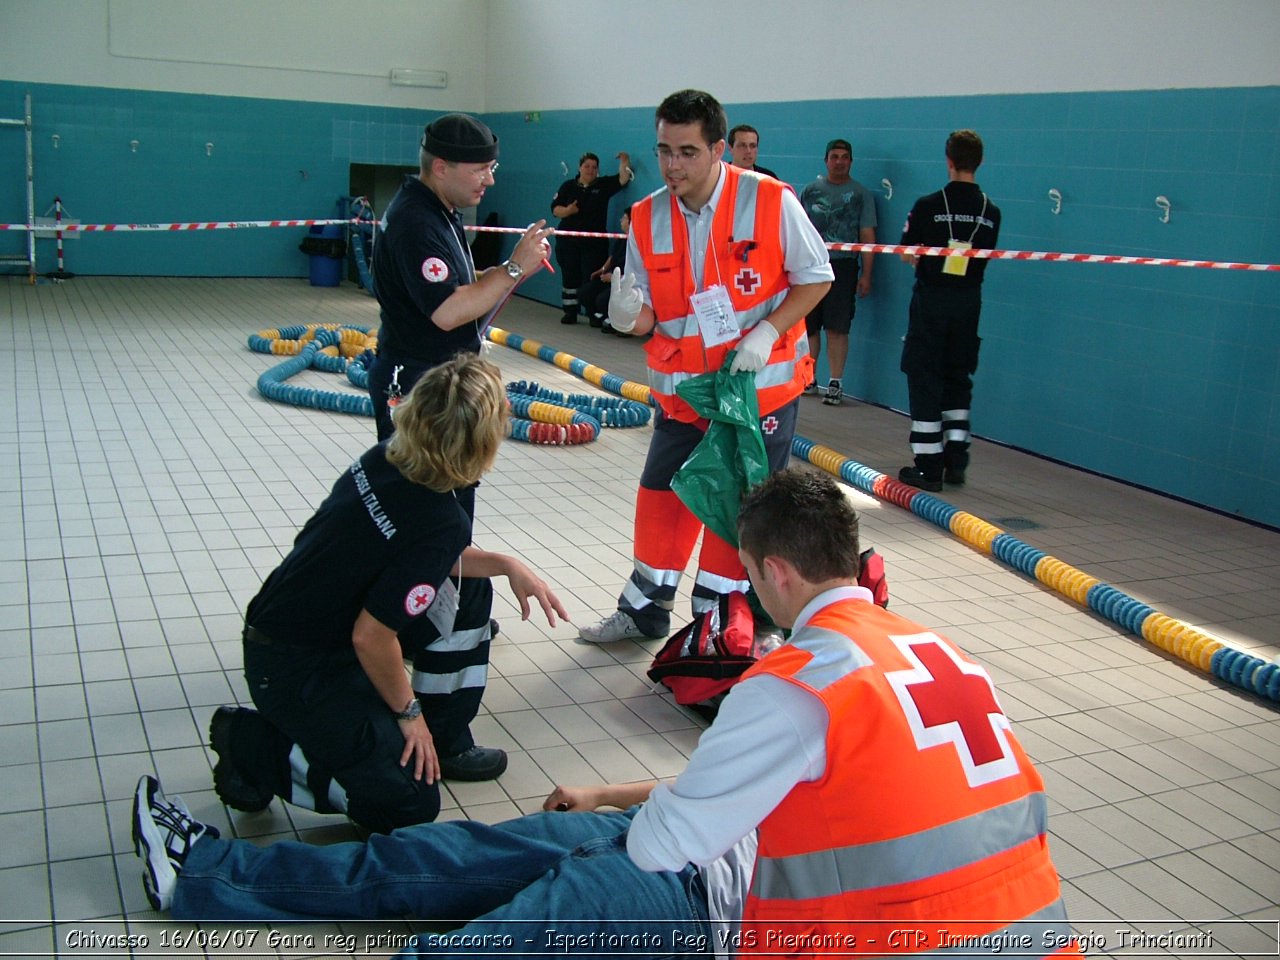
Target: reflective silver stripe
{"points": [[956, 436], [833, 656], [460, 640], [680, 327], [656, 575], [926, 426], [701, 605], [300, 794], [687, 326], [719, 584], [772, 375], [428, 683], [955, 414], [1044, 930], [660, 235], [637, 599], [927, 447], [744, 207], [886, 863]]}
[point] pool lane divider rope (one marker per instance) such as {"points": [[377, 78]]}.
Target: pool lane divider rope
{"points": [[597, 376], [1236, 667], [538, 416], [323, 346]]}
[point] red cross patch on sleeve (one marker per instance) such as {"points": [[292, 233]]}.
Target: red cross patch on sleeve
{"points": [[434, 270], [948, 700], [419, 598]]}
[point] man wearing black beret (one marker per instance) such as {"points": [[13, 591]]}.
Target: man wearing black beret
{"points": [[433, 308], [432, 302]]}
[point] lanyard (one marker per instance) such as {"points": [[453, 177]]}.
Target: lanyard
{"points": [[464, 251], [976, 225]]}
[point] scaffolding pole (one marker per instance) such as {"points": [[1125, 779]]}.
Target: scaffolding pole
{"points": [[30, 258]]}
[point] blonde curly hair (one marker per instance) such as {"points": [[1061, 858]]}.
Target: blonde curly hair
{"points": [[449, 427]]}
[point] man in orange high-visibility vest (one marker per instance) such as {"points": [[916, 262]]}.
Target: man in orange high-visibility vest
{"points": [[893, 796], [719, 260]]}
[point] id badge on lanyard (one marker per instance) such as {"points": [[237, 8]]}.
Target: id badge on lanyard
{"points": [[444, 609], [717, 320], [957, 266]]}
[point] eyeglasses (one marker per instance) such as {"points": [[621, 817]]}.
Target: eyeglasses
{"points": [[480, 172], [666, 156]]}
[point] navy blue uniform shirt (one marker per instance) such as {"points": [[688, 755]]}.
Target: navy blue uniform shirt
{"points": [[379, 542], [420, 258]]}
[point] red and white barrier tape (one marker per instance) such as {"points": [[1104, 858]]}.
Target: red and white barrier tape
{"points": [[162, 227], [919, 251]]}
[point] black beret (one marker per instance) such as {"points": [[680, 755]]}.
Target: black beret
{"points": [[460, 138]]}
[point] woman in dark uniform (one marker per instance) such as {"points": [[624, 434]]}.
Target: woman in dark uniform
{"points": [[338, 727]]}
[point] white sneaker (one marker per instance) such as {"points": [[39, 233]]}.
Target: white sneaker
{"points": [[811, 389], [834, 394], [617, 626], [163, 833]]}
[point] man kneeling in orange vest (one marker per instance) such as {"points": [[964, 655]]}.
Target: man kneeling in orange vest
{"points": [[895, 810]]}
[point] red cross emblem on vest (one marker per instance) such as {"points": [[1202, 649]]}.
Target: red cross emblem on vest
{"points": [[769, 424], [746, 281], [948, 700]]}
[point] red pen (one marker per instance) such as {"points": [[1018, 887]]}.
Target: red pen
{"points": [[547, 263]]}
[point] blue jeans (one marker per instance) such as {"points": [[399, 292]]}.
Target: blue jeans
{"points": [[569, 873]]}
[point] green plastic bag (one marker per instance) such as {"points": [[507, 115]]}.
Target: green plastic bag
{"points": [[731, 458]]}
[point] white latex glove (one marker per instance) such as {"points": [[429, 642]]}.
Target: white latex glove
{"points": [[625, 302], [754, 348]]}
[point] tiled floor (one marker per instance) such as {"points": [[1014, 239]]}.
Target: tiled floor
{"points": [[147, 489]]}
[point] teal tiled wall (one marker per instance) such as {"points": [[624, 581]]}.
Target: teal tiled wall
{"points": [[1165, 377]]}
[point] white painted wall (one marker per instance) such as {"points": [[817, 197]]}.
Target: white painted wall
{"points": [[504, 55], [315, 50], [555, 54]]}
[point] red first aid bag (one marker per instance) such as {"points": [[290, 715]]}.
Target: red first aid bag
{"points": [[703, 660]]}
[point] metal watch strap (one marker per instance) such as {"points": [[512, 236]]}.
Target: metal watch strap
{"points": [[412, 710]]}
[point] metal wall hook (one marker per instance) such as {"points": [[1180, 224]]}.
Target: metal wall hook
{"points": [[1056, 196], [208, 149], [888, 188], [133, 146], [564, 168], [1163, 203], [55, 138]]}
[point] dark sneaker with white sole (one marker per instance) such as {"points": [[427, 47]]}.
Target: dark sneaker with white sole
{"points": [[478, 763], [232, 787], [163, 834]]}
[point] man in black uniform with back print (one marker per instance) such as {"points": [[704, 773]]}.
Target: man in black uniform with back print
{"points": [[940, 353]]}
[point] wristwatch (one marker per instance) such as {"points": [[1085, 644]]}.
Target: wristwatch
{"points": [[411, 711], [514, 270]]}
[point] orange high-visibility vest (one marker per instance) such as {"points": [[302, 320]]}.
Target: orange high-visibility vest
{"points": [[927, 829], [745, 255]]}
